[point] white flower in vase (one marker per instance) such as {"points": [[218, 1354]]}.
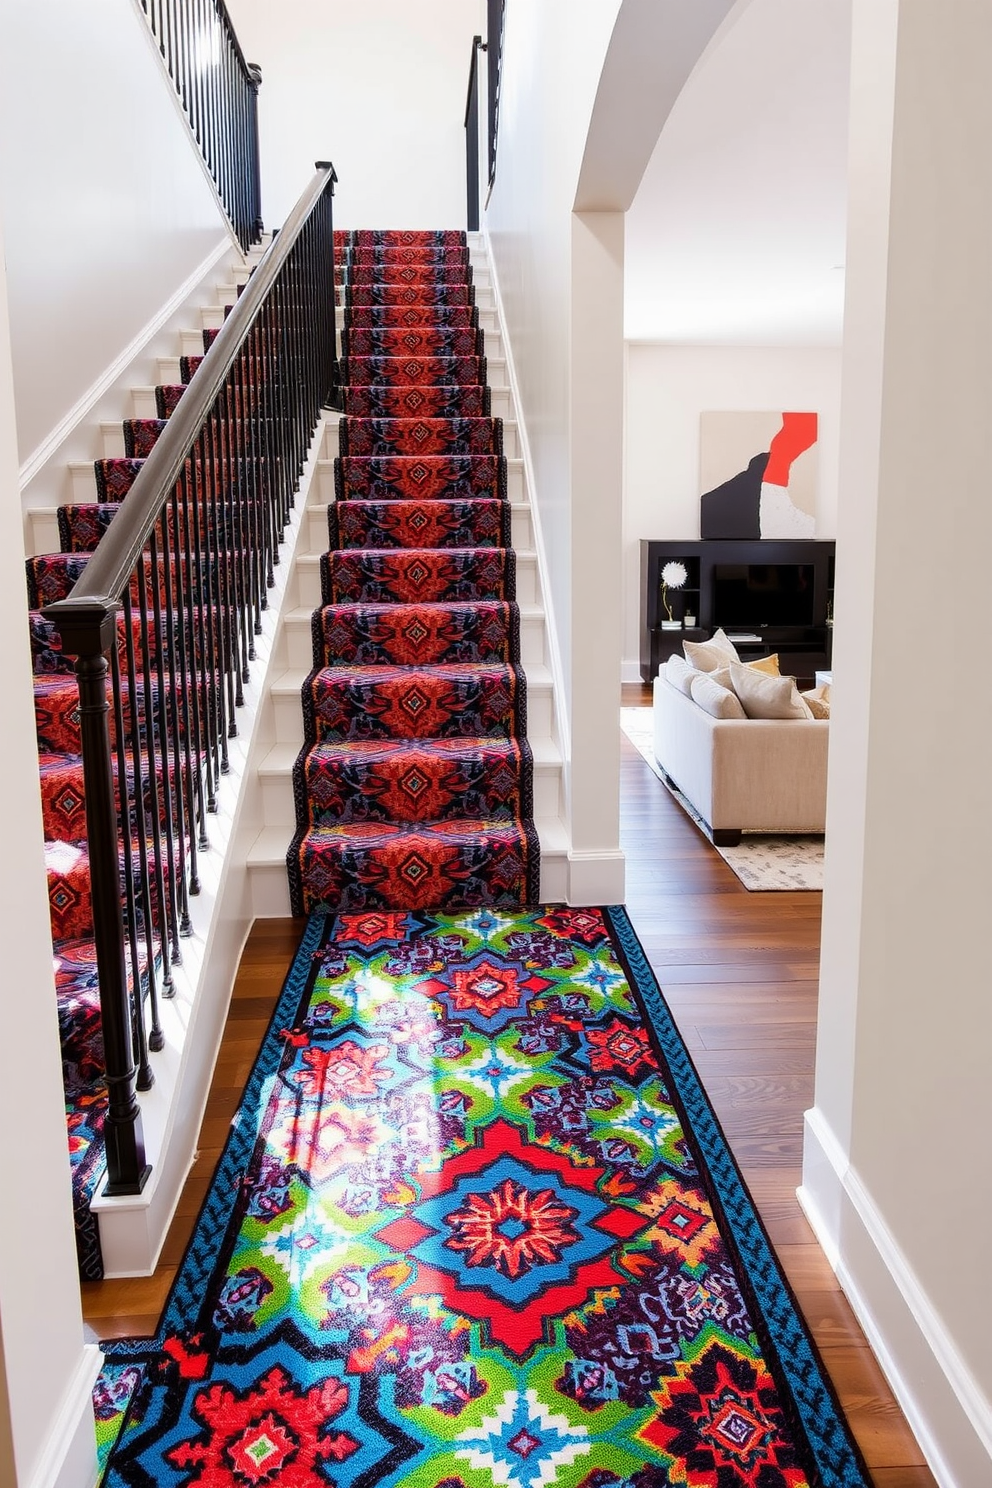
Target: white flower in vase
{"points": [[673, 576]]}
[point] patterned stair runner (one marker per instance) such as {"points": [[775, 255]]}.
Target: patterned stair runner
{"points": [[413, 789]]}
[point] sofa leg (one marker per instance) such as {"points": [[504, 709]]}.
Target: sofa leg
{"points": [[726, 836]]}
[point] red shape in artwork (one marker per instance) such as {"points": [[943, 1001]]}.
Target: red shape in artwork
{"points": [[797, 434]]}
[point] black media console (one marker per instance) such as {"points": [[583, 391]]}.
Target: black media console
{"points": [[771, 594]]}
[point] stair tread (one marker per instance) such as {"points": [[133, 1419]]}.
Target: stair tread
{"points": [[272, 843]]}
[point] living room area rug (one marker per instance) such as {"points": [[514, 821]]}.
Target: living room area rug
{"points": [[764, 863], [475, 1224]]}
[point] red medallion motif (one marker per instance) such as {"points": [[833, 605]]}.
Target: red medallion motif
{"points": [[270, 1434]]}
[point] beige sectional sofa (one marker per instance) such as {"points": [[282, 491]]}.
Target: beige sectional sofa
{"points": [[746, 774]]}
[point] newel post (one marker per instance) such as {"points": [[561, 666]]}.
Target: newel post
{"points": [[88, 629]]}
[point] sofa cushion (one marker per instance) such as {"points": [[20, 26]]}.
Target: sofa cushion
{"points": [[706, 656], [680, 673], [714, 699], [768, 697], [817, 700]]}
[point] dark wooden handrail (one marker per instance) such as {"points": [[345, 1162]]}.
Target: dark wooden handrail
{"points": [[167, 608], [472, 136]]}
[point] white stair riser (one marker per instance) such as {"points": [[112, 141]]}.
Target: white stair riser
{"points": [[270, 890], [554, 878], [521, 531], [143, 405], [113, 441], [532, 652], [169, 371], [82, 482]]}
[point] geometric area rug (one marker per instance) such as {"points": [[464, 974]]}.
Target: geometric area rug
{"points": [[762, 861], [475, 1226]]}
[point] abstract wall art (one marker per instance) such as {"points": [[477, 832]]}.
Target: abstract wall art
{"points": [[758, 475]]}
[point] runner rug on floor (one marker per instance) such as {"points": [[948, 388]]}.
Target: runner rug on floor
{"points": [[476, 1225]]}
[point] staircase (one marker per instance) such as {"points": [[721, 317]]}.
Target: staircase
{"points": [[156, 790], [407, 304]]}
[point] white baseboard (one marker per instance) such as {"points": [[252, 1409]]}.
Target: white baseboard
{"points": [[936, 1390], [596, 877], [630, 671], [69, 1458]]}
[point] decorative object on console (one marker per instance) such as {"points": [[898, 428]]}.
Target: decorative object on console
{"points": [[758, 475], [673, 576]]}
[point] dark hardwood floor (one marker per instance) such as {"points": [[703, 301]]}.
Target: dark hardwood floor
{"points": [[739, 971]]}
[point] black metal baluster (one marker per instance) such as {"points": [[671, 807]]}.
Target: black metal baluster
{"points": [[192, 650], [169, 674], [88, 628], [142, 783], [139, 906], [200, 597], [145, 1078], [149, 711]]}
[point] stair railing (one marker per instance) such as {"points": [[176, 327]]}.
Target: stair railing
{"points": [[219, 93], [168, 608], [472, 136]]}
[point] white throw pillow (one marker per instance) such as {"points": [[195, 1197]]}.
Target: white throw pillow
{"points": [[722, 674], [718, 701], [768, 697], [680, 673], [706, 656]]}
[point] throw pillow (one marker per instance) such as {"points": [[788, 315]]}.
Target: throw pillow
{"points": [[706, 656], [717, 701], [818, 700], [768, 697], [764, 664], [767, 664], [679, 673]]}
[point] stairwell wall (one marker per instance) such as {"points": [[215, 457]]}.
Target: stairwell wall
{"points": [[552, 60], [46, 1372], [379, 88], [106, 201]]}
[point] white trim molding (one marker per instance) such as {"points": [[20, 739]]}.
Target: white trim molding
{"points": [[69, 1458], [550, 628], [937, 1392]]}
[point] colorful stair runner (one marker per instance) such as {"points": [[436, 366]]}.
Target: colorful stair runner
{"points": [[50, 577], [413, 789]]}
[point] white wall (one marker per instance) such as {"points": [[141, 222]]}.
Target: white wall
{"points": [[668, 387], [47, 1372], [378, 87], [896, 1165], [552, 60], [106, 204]]}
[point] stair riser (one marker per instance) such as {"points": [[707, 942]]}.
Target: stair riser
{"points": [[279, 810]]}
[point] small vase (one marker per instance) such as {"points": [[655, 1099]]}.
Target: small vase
{"points": [[671, 624]]}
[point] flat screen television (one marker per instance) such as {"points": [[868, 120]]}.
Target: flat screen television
{"points": [[751, 595]]}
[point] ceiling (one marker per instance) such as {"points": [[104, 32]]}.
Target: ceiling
{"points": [[736, 234]]}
